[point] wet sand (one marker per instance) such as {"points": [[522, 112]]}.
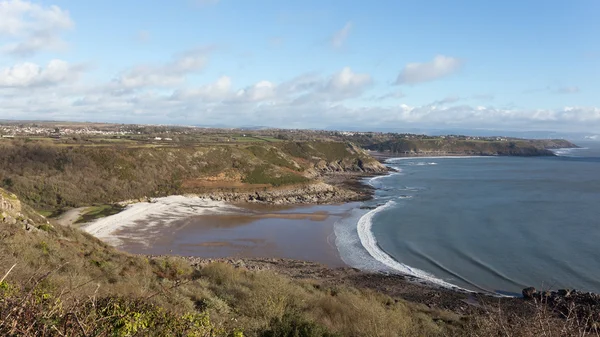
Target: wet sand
{"points": [[250, 231]]}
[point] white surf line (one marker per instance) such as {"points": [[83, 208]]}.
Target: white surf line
{"points": [[395, 159], [369, 242], [567, 150], [370, 181]]}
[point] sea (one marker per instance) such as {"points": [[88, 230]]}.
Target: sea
{"points": [[485, 224]]}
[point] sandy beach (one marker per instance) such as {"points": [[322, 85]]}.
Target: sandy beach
{"points": [[191, 226]]}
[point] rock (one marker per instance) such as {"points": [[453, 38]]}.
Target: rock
{"points": [[529, 293], [564, 292]]}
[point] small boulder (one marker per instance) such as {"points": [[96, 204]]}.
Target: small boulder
{"points": [[529, 293]]}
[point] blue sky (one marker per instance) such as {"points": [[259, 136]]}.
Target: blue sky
{"points": [[518, 65]]}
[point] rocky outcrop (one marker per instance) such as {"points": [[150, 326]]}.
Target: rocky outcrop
{"points": [[11, 212], [315, 193], [9, 202], [584, 306]]}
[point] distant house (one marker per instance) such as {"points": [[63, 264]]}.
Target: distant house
{"points": [[157, 138], [8, 136], [168, 138]]}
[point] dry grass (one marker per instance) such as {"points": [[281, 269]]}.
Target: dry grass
{"points": [[541, 320]]}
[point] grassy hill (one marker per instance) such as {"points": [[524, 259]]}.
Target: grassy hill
{"points": [[60, 281], [53, 176], [453, 146]]}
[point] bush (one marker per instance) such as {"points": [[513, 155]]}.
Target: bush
{"points": [[291, 325]]}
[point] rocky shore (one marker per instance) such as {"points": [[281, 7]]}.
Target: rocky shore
{"points": [[314, 193]]}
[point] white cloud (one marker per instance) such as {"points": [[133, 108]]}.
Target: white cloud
{"points": [[260, 91], [29, 74], [31, 91], [217, 91], [165, 75], [346, 82], [27, 28], [568, 90], [339, 38], [440, 66], [265, 103]]}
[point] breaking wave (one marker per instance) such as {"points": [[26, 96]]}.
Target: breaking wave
{"points": [[369, 242]]}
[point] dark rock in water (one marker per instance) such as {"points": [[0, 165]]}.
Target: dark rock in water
{"points": [[564, 292], [368, 207], [529, 293]]}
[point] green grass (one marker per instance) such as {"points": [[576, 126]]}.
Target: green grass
{"points": [[47, 214], [97, 212]]}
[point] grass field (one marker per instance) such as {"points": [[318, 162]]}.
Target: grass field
{"points": [[97, 212]]}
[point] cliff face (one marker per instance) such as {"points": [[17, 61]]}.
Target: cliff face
{"points": [[12, 212], [313, 193], [449, 147], [9, 203]]}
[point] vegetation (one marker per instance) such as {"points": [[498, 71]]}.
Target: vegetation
{"points": [[67, 282], [462, 145], [97, 212], [52, 177], [63, 282]]}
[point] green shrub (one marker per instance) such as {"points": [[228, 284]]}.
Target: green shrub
{"points": [[291, 325]]}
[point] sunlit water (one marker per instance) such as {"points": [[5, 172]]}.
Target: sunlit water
{"points": [[487, 223]]}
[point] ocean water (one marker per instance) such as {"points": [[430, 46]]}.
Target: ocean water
{"points": [[495, 224]]}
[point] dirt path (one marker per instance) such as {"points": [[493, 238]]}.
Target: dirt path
{"points": [[69, 217]]}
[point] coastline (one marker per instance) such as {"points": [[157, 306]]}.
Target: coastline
{"points": [[394, 283], [188, 225]]}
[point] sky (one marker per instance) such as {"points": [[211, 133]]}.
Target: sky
{"points": [[512, 65]]}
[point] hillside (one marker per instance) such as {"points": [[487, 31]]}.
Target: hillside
{"points": [[59, 281], [452, 146], [53, 176]]}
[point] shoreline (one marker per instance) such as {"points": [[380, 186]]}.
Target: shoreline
{"points": [[424, 286], [184, 225]]}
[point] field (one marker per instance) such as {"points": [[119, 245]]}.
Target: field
{"points": [[100, 211]]}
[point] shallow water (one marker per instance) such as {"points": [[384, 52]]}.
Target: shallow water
{"points": [[246, 230], [489, 223]]}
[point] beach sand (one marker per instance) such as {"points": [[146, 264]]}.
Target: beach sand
{"points": [[189, 226]]}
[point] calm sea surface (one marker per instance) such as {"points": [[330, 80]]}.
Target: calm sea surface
{"points": [[490, 223]]}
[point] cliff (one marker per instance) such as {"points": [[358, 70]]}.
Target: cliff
{"points": [[450, 146], [51, 176]]}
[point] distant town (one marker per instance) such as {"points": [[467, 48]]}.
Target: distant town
{"points": [[169, 133]]}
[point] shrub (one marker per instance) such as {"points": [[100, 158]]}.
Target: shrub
{"points": [[291, 325]]}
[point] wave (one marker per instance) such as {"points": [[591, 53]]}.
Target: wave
{"points": [[567, 152], [397, 159], [410, 163], [372, 181], [369, 242]]}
